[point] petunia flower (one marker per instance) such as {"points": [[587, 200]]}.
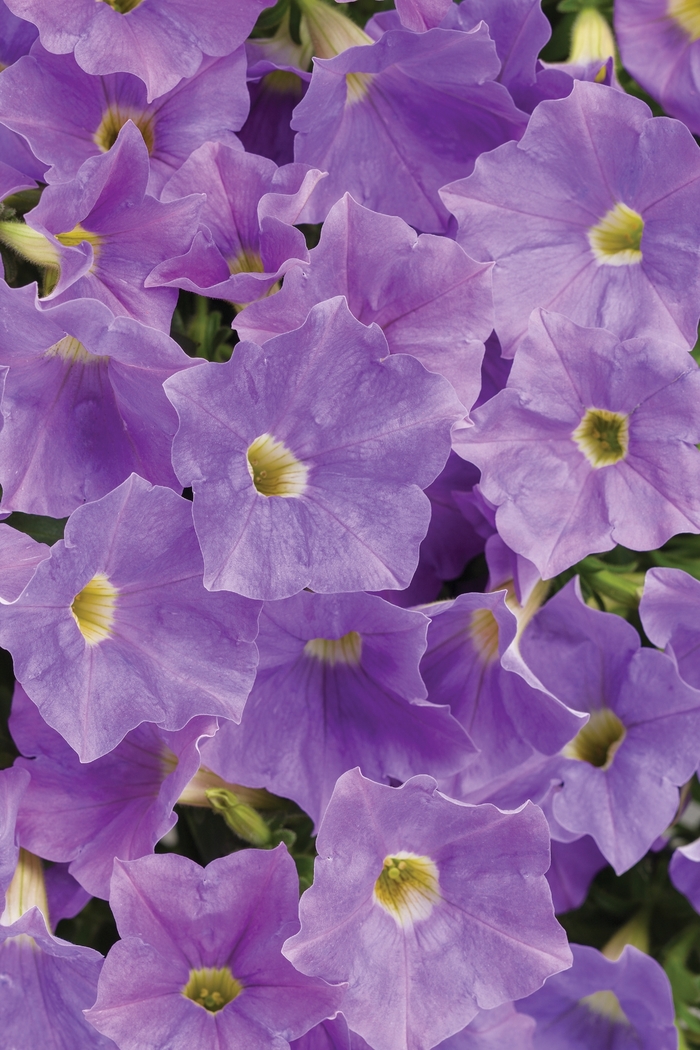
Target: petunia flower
{"points": [[430, 909], [116, 628], [199, 962], [307, 458]]}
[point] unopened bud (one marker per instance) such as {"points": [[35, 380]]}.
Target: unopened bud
{"points": [[331, 31], [30, 244], [591, 38], [27, 890], [241, 819], [634, 932]]}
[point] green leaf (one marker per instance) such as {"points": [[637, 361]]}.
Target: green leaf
{"points": [[39, 527]]}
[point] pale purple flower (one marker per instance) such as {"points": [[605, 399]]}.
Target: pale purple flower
{"points": [[337, 686], [116, 628], [106, 233], [13, 785], [591, 443], [160, 41], [658, 43], [66, 115], [428, 104], [83, 404], [607, 235], [307, 458], [618, 779], [121, 805], [465, 924], [428, 297], [19, 557], [472, 663], [199, 963], [670, 613], [574, 866], [46, 984], [624, 1004], [684, 871], [494, 1030], [246, 240], [16, 36]]}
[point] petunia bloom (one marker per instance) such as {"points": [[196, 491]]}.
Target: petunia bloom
{"points": [[337, 686], [429, 908], [607, 235], [199, 962], [116, 628], [307, 458], [591, 443]]}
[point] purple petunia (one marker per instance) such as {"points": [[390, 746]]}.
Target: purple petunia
{"points": [[307, 457], [116, 628], [466, 921], [199, 962]]}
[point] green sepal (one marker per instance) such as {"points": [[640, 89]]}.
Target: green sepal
{"points": [[243, 820]]}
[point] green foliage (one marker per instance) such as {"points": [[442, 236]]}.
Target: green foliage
{"points": [[39, 527], [202, 327]]}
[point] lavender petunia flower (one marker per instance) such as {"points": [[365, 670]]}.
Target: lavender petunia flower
{"points": [[17, 156], [466, 923], [19, 557], [684, 871], [12, 180], [493, 1030], [307, 457], [13, 785], [592, 443], [46, 983], [574, 865], [246, 240], [118, 806], [83, 404], [658, 42], [624, 1004], [65, 897], [607, 235], [67, 116], [620, 774], [519, 29], [472, 663], [16, 36], [330, 1035], [670, 614], [451, 540], [103, 234], [160, 41], [199, 963], [436, 93], [116, 628], [428, 297], [337, 686]]}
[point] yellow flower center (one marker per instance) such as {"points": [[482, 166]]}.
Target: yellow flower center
{"points": [[686, 14], [246, 262], [599, 739], [483, 631], [122, 6], [73, 351], [77, 235], [274, 469], [407, 887], [617, 239], [345, 650], [93, 609], [114, 119], [212, 987], [602, 436], [605, 1004]]}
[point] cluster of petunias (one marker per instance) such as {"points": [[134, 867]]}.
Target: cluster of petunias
{"points": [[485, 352]]}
